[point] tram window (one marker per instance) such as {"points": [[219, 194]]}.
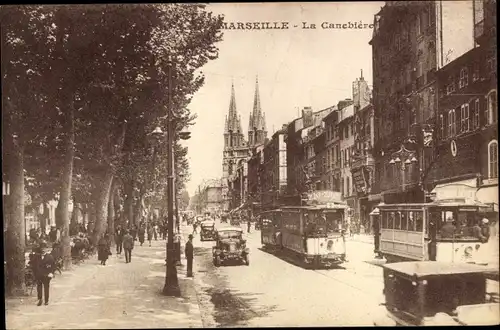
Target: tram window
{"points": [[411, 222], [390, 222], [419, 220], [404, 223], [383, 223], [397, 222], [333, 221]]}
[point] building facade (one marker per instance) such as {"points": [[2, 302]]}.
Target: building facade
{"points": [[301, 158], [404, 44], [273, 174], [361, 161], [345, 128], [466, 152]]}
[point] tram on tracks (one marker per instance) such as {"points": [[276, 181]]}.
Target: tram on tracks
{"points": [[444, 230], [314, 233]]}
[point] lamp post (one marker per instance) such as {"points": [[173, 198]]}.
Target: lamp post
{"points": [[403, 158], [171, 287]]}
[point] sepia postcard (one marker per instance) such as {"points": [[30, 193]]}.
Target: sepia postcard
{"points": [[182, 165]]}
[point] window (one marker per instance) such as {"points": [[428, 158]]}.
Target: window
{"points": [[464, 78], [397, 41], [450, 88], [348, 188], [452, 130], [342, 185], [464, 118], [442, 126], [476, 109], [346, 132], [492, 107], [419, 25], [493, 159], [475, 72]]}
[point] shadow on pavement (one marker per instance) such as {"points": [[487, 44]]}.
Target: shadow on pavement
{"points": [[299, 263]]}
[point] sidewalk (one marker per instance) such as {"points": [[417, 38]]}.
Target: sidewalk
{"points": [[115, 296]]}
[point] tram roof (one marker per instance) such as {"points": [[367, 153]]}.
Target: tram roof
{"points": [[332, 206], [433, 268], [230, 229]]}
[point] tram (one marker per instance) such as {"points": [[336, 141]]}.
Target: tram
{"points": [[270, 228], [314, 233], [445, 230]]}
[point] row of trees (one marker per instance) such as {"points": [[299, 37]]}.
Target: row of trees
{"points": [[83, 86]]}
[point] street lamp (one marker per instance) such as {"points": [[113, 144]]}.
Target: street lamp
{"points": [[409, 159], [171, 287]]}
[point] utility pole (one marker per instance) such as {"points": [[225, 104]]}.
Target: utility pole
{"points": [[171, 287]]}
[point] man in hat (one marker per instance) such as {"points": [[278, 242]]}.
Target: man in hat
{"points": [[43, 265], [485, 228], [189, 252]]}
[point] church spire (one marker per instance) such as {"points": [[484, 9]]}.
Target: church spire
{"points": [[256, 126]]}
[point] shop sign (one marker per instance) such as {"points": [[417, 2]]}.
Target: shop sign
{"points": [[324, 196], [455, 191]]}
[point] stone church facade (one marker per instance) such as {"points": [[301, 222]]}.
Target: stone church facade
{"points": [[237, 150]]}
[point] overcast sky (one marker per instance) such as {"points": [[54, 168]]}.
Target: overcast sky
{"points": [[296, 67]]}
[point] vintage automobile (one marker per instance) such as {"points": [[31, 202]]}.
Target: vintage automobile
{"points": [[419, 293], [207, 232], [230, 245]]}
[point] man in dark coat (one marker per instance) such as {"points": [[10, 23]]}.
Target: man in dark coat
{"points": [[119, 239], [189, 252], [43, 266], [128, 245]]}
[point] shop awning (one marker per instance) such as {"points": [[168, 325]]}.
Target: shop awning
{"points": [[457, 190], [489, 196]]}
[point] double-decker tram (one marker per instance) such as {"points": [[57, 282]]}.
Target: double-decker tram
{"points": [[314, 233], [445, 230]]}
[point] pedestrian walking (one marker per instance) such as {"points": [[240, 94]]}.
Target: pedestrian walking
{"points": [[155, 232], [142, 234], [150, 234], [133, 232], [119, 239], [128, 246], [164, 230], [195, 225], [43, 266], [103, 249], [189, 252], [249, 225]]}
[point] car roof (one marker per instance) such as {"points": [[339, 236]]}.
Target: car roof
{"points": [[230, 229], [431, 268]]}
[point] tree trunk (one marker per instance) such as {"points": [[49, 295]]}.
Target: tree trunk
{"points": [[138, 207], [16, 233], [91, 219], [75, 215], [65, 193], [128, 211], [101, 200], [111, 209]]}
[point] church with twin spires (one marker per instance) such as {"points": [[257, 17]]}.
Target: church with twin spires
{"points": [[237, 149]]}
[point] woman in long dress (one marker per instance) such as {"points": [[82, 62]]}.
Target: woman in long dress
{"points": [[103, 249]]}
